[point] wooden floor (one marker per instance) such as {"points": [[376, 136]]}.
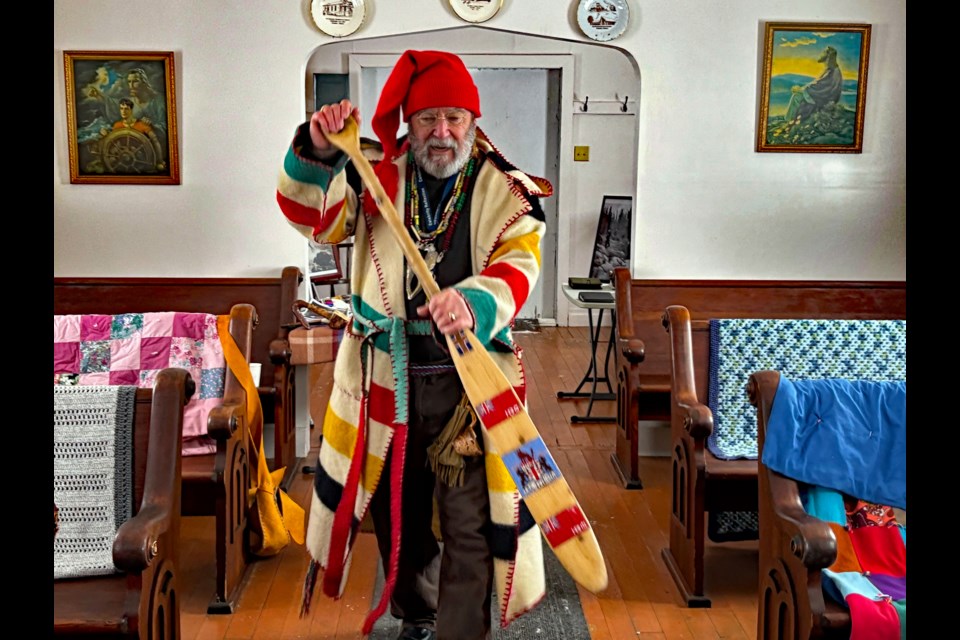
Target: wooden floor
{"points": [[640, 602]]}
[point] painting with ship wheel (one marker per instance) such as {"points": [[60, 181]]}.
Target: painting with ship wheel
{"points": [[121, 117]]}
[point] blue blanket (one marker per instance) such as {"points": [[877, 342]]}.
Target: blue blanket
{"points": [[800, 349], [846, 435], [845, 441]]}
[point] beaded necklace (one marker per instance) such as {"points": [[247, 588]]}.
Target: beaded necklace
{"points": [[445, 226], [431, 216]]}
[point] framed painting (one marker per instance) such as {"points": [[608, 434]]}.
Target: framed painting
{"points": [[813, 87], [611, 248], [121, 117], [324, 260]]}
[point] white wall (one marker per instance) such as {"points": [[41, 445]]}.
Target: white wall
{"points": [[707, 205]]}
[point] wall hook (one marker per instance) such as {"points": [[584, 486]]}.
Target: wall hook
{"points": [[586, 99], [623, 107]]}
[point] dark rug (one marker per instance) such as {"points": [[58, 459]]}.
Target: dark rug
{"points": [[526, 325], [559, 615], [733, 526]]}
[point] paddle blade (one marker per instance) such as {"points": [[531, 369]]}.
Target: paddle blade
{"points": [[546, 493]]}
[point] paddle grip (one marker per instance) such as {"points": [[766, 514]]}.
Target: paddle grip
{"points": [[349, 142]]}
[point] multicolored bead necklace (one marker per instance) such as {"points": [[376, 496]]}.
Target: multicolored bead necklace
{"points": [[450, 213], [445, 226]]}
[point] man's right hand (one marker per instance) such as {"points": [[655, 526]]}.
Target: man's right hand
{"points": [[330, 118]]}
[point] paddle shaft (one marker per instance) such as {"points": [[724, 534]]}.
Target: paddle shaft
{"points": [[349, 143], [485, 384]]}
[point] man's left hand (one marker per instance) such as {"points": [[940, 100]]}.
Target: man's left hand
{"points": [[449, 312]]}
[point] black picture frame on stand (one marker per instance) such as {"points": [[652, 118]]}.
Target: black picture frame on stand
{"points": [[611, 248]]}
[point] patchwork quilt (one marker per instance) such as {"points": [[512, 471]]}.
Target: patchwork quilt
{"points": [[800, 349], [869, 576], [131, 348]]}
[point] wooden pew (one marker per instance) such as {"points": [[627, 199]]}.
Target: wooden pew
{"points": [[142, 601], [703, 483], [216, 484], [794, 548], [273, 299], [642, 349]]}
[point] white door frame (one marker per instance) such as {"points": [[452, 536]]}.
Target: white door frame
{"points": [[564, 190]]}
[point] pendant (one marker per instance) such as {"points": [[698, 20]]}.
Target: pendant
{"points": [[432, 258]]}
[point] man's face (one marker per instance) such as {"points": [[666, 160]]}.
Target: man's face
{"points": [[133, 80], [125, 110], [442, 139]]}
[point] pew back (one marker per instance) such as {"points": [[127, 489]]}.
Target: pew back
{"points": [[643, 347], [141, 600]]}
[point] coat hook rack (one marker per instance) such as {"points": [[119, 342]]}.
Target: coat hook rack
{"points": [[614, 106]]}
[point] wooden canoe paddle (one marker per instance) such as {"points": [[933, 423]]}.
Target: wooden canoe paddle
{"points": [[543, 488]]}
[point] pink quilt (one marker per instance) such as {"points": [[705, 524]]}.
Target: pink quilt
{"points": [[132, 348]]}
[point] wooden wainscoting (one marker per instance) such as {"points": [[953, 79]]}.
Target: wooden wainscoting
{"points": [[641, 601]]}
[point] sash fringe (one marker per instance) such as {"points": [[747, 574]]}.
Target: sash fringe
{"points": [[454, 442]]}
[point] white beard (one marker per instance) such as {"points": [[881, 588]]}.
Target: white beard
{"points": [[443, 168]]}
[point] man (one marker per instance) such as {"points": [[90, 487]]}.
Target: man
{"points": [[128, 121], [816, 95], [397, 433]]}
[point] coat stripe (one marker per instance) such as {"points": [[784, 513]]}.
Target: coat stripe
{"points": [[516, 280]]}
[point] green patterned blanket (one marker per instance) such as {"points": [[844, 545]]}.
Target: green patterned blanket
{"points": [[800, 349]]}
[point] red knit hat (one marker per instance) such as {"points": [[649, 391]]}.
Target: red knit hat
{"points": [[419, 80]]}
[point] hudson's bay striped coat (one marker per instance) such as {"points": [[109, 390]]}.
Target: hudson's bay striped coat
{"points": [[506, 227]]}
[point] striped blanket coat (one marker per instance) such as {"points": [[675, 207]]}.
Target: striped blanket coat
{"points": [[367, 411]]}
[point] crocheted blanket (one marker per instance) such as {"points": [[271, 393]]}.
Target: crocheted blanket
{"points": [[92, 475], [800, 349], [131, 348]]}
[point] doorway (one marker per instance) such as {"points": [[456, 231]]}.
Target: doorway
{"points": [[583, 71], [538, 120]]}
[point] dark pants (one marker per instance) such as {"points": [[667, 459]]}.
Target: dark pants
{"points": [[448, 589]]}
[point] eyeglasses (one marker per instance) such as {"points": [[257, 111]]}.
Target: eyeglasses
{"points": [[455, 119]]}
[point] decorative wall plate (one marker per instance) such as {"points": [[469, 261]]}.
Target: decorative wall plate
{"points": [[476, 10], [603, 20], [337, 18]]}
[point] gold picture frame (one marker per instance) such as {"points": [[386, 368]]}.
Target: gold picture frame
{"points": [[813, 87], [121, 117]]}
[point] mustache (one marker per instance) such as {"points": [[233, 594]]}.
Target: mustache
{"points": [[440, 143]]}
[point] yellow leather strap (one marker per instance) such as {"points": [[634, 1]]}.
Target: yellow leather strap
{"points": [[241, 371], [265, 485]]}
